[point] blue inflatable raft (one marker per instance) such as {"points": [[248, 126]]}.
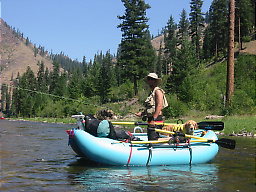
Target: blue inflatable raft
{"points": [[141, 153]]}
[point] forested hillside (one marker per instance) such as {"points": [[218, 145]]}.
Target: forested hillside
{"points": [[191, 58]]}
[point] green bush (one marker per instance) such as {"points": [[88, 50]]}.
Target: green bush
{"points": [[246, 39], [176, 108], [123, 92], [64, 109], [242, 103]]}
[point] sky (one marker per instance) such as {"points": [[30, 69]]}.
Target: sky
{"points": [[83, 27]]}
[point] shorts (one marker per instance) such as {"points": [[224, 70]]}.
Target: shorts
{"points": [[152, 135]]}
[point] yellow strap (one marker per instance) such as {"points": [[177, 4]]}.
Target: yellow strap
{"points": [[132, 123], [186, 135], [148, 142], [164, 131], [166, 141]]}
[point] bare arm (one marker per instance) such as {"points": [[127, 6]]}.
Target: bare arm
{"points": [[159, 102]]}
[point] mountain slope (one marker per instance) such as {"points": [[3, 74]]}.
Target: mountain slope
{"points": [[15, 56]]}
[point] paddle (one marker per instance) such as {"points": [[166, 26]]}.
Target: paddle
{"points": [[207, 125], [223, 142], [226, 143]]}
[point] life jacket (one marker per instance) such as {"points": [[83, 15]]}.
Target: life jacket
{"points": [[150, 102], [179, 128]]}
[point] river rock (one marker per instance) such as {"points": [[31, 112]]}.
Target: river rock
{"points": [[213, 117]]}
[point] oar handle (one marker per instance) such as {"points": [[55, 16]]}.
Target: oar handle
{"points": [[211, 125]]}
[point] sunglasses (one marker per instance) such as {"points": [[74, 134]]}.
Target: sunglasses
{"points": [[150, 79]]}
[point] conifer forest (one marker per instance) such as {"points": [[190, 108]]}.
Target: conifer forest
{"points": [[191, 60]]}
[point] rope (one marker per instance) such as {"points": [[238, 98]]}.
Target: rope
{"points": [[48, 94], [61, 97], [130, 150], [150, 153], [190, 152]]}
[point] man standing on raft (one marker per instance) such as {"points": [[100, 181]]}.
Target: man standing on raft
{"points": [[154, 104]]}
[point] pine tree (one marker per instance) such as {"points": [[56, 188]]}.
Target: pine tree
{"points": [[136, 55], [207, 17], [84, 67], [183, 26], [27, 41], [104, 83], [218, 26], [196, 23], [170, 44], [208, 49], [8, 103], [14, 99], [35, 50], [159, 63], [28, 80], [47, 78], [3, 96], [54, 77], [185, 65], [90, 86], [41, 87], [41, 81], [73, 86], [28, 86], [245, 19]]}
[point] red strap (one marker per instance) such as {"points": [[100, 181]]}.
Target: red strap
{"points": [[130, 150]]}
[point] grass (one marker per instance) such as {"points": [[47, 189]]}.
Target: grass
{"points": [[239, 124]]}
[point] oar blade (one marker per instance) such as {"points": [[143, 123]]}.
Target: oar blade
{"points": [[226, 143], [211, 125]]}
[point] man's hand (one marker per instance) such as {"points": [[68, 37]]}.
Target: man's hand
{"points": [[138, 114], [152, 124]]}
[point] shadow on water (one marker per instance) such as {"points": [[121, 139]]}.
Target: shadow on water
{"points": [[231, 170], [237, 167], [93, 177]]}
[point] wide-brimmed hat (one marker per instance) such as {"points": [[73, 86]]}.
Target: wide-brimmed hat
{"points": [[154, 76]]}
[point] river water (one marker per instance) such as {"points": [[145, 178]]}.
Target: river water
{"points": [[35, 157]]}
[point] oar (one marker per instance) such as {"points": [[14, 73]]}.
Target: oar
{"points": [[207, 125], [223, 142], [226, 143], [211, 125]]}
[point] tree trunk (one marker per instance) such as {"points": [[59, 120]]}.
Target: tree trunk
{"points": [[231, 55], [216, 51], [135, 85], [239, 34]]}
